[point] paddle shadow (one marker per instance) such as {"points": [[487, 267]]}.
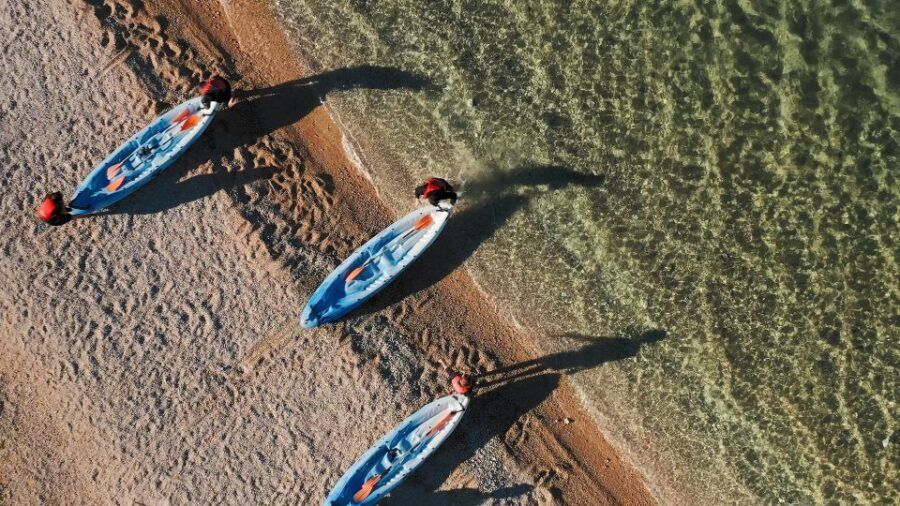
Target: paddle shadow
{"points": [[257, 113], [495, 198], [512, 391]]}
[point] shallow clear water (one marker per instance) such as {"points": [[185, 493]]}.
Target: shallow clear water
{"points": [[723, 171]]}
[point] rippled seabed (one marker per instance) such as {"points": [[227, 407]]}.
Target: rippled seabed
{"points": [[748, 207]]}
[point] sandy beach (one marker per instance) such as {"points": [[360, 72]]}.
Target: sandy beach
{"points": [[153, 354]]}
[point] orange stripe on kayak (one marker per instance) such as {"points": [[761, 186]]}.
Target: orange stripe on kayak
{"points": [[366, 489], [113, 170], [182, 115], [424, 222], [115, 184], [191, 122]]}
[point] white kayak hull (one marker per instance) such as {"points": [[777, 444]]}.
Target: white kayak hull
{"points": [[374, 265], [143, 156], [400, 452]]}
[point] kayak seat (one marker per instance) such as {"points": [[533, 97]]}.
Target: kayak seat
{"points": [[390, 456], [386, 262], [406, 444]]}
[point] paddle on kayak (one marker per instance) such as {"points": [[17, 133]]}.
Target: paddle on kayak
{"points": [[401, 451], [380, 260]]}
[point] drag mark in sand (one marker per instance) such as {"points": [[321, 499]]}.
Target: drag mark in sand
{"points": [[129, 29], [226, 9], [231, 385], [116, 60]]}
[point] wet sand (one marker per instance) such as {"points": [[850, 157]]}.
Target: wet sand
{"points": [[153, 353]]}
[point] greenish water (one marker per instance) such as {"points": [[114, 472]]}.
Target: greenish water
{"points": [[748, 207]]}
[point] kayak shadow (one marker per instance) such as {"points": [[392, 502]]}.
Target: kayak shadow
{"points": [[473, 495], [255, 114], [196, 187], [503, 396], [494, 198], [489, 415]]}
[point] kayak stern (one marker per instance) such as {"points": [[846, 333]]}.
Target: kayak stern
{"points": [[309, 320]]}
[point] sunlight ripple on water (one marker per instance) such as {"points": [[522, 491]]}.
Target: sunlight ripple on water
{"points": [[726, 172]]}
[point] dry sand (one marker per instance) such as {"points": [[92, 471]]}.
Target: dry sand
{"points": [[153, 354]]}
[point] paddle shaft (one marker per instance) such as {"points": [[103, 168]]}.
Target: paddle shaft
{"points": [[355, 272]]}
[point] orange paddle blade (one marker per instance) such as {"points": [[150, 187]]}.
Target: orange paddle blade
{"points": [[182, 115], [355, 272], [423, 222], [443, 423], [191, 122], [366, 489], [113, 170], [115, 184]]}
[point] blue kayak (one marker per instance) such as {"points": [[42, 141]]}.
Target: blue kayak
{"points": [[142, 157], [375, 264], [400, 452]]}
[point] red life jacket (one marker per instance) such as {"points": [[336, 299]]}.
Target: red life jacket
{"points": [[461, 384], [48, 209], [216, 89], [434, 184], [214, 84]]}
